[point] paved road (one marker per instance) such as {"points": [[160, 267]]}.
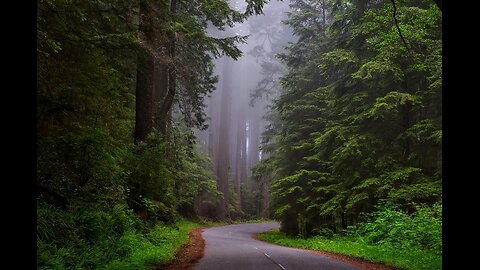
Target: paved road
{"points": [[231, 247]]}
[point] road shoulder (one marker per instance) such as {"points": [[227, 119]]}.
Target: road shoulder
{"points": [[189, 254]]}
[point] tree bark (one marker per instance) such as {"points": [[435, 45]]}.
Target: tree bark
{"points": [[163, 113], [145, 76], [160, 92]]}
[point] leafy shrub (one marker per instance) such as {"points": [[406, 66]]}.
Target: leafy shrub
{"points": [[324, 232], [159, 212], [390, 226], [82, 165], [82, 236]]}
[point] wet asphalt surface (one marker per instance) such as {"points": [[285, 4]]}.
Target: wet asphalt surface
{"points": [[232, 247]]}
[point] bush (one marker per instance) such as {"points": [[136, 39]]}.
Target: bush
{"points": [[393, 227], [159, 212], [324, 232], [82, 236]]}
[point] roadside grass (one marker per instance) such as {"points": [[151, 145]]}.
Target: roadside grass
{"points": [[210, 223], [402, 258], [108, 238], [93, 239], [155, 248], [256, 220]]}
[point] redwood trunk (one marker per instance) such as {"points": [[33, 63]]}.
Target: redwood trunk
{"points": [[222, 156], [164, 110], [145, 79]]}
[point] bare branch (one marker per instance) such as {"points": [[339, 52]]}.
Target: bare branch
{"points": [[396, 24]]}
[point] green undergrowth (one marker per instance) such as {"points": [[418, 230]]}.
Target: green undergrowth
{"points": [[105, 239], [239, 221], [154, 248], [95, 237], [256, 220], [390, 236], [215, 223], [404, 259]]}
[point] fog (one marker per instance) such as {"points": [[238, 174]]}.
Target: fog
{"points": [[236, 109]]}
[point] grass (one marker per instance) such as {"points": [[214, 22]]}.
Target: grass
{"points": [[130, 249], [405, 259], [155, 248], [256, 220]]}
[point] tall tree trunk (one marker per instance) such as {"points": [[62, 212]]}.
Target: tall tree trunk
{"points": [[160, 92], [145, 76], [240, 155], [163, 113], [265, 198], [243, 157], [212, 141], [254, 135], [222, 155]]}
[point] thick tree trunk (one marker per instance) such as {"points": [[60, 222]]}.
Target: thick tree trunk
{"points": [[160, 92], [145, 76], [164, 110], [144, 89]]}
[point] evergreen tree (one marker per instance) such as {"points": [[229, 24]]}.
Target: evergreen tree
{"points": [[359, 116]]}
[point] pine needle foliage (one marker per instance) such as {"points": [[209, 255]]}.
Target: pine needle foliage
{"points": [[358, 119]]}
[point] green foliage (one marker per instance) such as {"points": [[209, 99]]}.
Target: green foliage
{"points": [[82, 236], [157, 247], [388, 235], [392, 227], [82, 166], [100, 197], [404, 259], [358, 118], [195, 177], [150, 175], [88, 238]]}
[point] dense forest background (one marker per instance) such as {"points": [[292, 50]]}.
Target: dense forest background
{"points": [[323, 114]]}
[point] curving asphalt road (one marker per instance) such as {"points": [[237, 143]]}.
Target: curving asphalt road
{"points": [[232, 247]]}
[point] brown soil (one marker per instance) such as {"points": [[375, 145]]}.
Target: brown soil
{"points": [[347, 259], [189, 254]]}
